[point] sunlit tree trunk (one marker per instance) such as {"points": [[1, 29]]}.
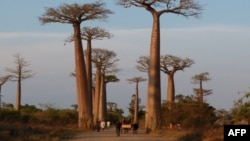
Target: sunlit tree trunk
{"points": [[105, 111], [97, 94], [200, 95], [136, 103], [18, 93], [89, 67], [170, 88], [153, 110], [170, 91], [101, 102], [84, 99]]}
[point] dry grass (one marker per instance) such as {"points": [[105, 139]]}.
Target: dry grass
{"points": [[191, 135], [21, 132], [172, 135], [216, 134]]}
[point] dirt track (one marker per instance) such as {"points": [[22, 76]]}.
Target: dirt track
{"points": [[110, 135]]}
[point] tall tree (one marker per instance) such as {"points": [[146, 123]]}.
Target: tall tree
{"points": [[3, 79], [201, 92], [136, 80], [75, 14], [103, 100], [157, 8], [105, 62], [90, 34], [18, 74]]}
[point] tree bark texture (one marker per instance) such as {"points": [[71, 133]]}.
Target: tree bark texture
{"points": [[170, 89], [97, 94], [153, 109], [83, 96], [18, 94]]}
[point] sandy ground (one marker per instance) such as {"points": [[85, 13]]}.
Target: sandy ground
{"points": [[110, 135]]}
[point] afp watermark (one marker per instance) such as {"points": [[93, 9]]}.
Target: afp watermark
{"points": [[237, 132]]}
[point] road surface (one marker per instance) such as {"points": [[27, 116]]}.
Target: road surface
{"points": [[110, 135]]}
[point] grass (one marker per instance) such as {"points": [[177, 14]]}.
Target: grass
{"points": [[22, 132], [215, 134], [26, 132]]}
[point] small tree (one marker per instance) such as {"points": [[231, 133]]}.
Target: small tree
{"points": [[169, 65], [3, 79], [18, 74], [141, 108], [136, 80], [241, 111], [201, 92], [111, 106]]}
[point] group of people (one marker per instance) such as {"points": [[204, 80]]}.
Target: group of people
{"points": [[118, 127], [100, 125]]}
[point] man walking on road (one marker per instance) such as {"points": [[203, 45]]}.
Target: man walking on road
{"points": [[118, 125]]}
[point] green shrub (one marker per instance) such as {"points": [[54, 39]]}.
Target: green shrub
{"points": [[9, 115]]}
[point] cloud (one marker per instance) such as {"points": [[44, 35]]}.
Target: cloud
{"points": [[14, 35], [223, 51]]}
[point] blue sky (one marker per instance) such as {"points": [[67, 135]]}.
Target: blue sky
{"points": [[218, 42]]}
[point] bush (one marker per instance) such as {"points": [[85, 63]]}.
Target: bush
{"points": [[9, 115]]}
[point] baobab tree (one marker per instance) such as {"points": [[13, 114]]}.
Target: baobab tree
{"points": [[136, 80], [75, 14], [3, 79], [103, 100], [201, 92], [169, 64], [90, 34], [157, 8], [18, 74], [105, 63], [112, 106]]}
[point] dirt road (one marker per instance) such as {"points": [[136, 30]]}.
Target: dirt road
{"points": [[110, 135]]}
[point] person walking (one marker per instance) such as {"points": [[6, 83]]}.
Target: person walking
{"points": [[108, 124], [103, 125], [135, 128], [98, 125], [118, 125]]}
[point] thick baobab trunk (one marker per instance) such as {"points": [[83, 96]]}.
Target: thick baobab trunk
{"points": [[103, 103], [97, 94], [200, 96], [105, 111], [83, 97], [170, 89], [89, 66], [18, 94], [136, 104], [153, 110]]}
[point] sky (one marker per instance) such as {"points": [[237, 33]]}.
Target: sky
{"points": [[218, 42]]}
